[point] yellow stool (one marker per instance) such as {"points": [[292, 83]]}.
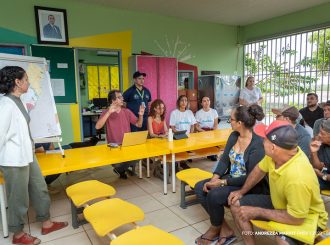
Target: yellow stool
{"points": [[3, 206], [84, 192], [325, 192], [300, 235], [146, 235], [107, 215], [190, 177]]}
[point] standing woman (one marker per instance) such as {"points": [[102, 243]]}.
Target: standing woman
{"points": [[250, 94], [156, 121], [18, 164]]}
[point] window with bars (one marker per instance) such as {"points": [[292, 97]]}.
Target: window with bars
{"points": [[286, 68]]}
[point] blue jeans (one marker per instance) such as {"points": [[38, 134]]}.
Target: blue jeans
{"points": [[214, 200]]}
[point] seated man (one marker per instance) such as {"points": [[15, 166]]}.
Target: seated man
{"points": [[320, 155], [118, 120], [291, 114], [326, 115], [294, 190]]}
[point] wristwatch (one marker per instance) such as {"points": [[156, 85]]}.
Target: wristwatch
{"points": [[325, 177], [222, 183]]}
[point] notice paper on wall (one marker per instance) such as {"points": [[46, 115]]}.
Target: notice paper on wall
{"points": [[62, 65], [58, 87]]}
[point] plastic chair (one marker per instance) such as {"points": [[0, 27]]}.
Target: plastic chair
{"points": [[146, 235], [190, 177], [107, 215], [84, 192]]}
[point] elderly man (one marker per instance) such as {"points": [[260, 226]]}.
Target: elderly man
{"points": [[291, 114], [320, 155], [294, 189]]}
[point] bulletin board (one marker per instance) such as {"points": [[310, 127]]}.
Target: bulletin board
{"points": [[62, 71]]}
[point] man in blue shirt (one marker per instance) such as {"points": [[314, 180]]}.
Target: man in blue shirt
{"points": [[138, 95], [51, 30]]}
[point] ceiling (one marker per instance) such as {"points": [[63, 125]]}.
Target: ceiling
{"points": [[230, 12]]}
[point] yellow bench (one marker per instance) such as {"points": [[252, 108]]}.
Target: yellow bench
{"points": [[190, 177], [82, 193], [301, 233], [107, 215]]}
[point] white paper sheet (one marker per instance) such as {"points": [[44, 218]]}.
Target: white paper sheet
{"points": [[58, 87]]}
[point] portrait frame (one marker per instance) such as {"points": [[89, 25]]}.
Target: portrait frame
{"points": [[51, 25]]}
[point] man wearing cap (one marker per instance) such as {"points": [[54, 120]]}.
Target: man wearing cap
{"points": [[294, 189], [320, 155], [312, 111], [291, 114], [138, 95], [326, 115]]}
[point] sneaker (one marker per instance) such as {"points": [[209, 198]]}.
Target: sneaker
{"points": [[131, 172], [212, 158], [121, 175], [184, 165]]}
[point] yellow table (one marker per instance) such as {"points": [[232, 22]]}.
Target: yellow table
{"points": [[97, 156], [101, 155], [195, 141]]}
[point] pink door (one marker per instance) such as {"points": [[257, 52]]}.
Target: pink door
{"points": [[168, 83], [148, 65]]}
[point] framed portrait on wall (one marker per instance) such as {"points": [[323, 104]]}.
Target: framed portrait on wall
{"points": [[51, 24]]}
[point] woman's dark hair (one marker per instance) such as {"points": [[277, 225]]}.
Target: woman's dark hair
{"points": [[249, 114], [154, 105], [8, 75], [178, 101], [247, 80], [112, 95]]}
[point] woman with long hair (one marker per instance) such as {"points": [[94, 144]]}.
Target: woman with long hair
{"points": [[24, 181], [156, 120], [244, 149]]}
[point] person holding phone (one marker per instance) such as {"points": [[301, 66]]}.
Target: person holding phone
{"points": [[118, 120], [320, 155], [136, 96]]}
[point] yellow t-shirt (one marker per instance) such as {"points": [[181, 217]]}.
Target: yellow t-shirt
{"points": [[294, 187]]}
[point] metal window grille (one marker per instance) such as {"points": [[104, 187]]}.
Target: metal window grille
{"points": [[286, 68]]}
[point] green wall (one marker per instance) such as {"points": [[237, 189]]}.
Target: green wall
{"points": [[212, 45], [301, 20]]}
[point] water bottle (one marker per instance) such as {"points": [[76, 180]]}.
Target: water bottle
{"points": [[170, 135]]}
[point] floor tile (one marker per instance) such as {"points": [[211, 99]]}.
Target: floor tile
{"points": [[187, 235], [164, 219], [168, 200], [146, 203], [192, 214], [67, 231], [80, 238]]}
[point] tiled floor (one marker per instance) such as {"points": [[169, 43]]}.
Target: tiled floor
{"points": [[160, 210]]}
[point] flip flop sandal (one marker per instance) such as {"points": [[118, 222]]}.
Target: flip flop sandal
{"points": [[228, 239], [206, 239]]}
